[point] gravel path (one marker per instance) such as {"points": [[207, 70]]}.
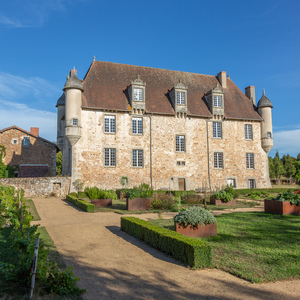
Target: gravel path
{"points": [[114, 265]]}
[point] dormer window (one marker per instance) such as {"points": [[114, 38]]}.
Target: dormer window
{"points": [[217, 101], [25, 141], [138, 95], [180, 98]]}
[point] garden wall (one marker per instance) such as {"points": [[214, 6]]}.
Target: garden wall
{"points": [[40, 186]]}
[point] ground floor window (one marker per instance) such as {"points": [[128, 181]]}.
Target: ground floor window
{"points": [[251, 184], [218, 160], [137, 158], [231, 181], [110, 157]]}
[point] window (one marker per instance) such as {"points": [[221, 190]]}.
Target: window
{"points": [[75, 122], [110, 157], [25, 141], [137, 125], [217, 130], [250, 160], [217, 101], [231, 182], [180, 163], [110, 124], [218, 160], [14, 141], [251, 184], [248, 132], [180, 143], [269, 135], [137, 158], [180, 98], [138, 95]]}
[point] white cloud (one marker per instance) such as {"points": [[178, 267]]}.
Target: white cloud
{"points": [[33, 13], [14, 87], [287, 141], [14, 113]]}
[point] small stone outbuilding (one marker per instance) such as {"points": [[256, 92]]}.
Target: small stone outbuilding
{"points": [[35, 156]]}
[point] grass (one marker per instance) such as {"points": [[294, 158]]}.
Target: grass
{"points": [[255, 246], [32, 209]]}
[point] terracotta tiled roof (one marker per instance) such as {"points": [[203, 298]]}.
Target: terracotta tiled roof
{"points": [[105, 87], [27, 132]]}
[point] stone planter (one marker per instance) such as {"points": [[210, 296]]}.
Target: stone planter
{"points": [[215, 201], [197, 231], [101, 202], [281, 208], [138, 204]]}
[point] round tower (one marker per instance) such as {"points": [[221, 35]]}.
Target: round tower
{"points": [[265, 106], [61, 121], [73, 90]]}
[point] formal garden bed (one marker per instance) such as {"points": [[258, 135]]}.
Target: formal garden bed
{"points": [[255, 246]]}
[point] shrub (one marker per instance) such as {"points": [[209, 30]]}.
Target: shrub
{"points": [[182, 193], [194, 252], [96, 193], [82, 195], [223, 195], [162, 201], [289, 196], [142, 191], [193, 199], [195, 215], [111, 195], [88, 207]]}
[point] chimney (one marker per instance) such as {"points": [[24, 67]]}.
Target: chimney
{"points": [[222, 79], [250, 93], [34, 131]]}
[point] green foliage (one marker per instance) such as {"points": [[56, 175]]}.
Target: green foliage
{"points": [[182, 193], [59, 159], [88, 207], [193, 199], [162, 201], [275, 190], [5, 170], [289, 196], [96, 193], [195, 215], [297, 170], [142, 191], [194, 252], [289, 167], [82, 195], [111, 195], [223, 195]]}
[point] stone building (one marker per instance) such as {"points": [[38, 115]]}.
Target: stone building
{"points": [[35, 156], [170, 129]]}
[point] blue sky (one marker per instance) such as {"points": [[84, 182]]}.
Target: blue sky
{"points": [[256, 42]]}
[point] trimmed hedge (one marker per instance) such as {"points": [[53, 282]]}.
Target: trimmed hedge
{"points": [[275, 190], [194, 252], [82, 195], [88, 207]]}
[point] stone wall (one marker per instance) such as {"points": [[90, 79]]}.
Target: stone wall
{"points": [[40, 186], [168, 165]]}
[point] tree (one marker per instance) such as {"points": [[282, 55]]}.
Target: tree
{"points": [[278, 167], [298, 157], [59, 158], [289, 167], [297, 171]]}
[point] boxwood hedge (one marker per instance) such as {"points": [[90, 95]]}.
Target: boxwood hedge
{"points": [[88, 207], [194, 252]]}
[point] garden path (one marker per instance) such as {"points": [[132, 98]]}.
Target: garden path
{"points": [[114, 265]]}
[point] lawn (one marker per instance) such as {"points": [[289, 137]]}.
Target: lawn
{"points": [[255, 246]]}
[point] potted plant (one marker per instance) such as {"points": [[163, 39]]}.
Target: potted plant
{"points": [[195, 222], [99, 197], [286, 203], [223, 197], [139, 198]]}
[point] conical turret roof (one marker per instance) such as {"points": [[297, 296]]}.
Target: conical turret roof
{"points": [[73, 82], [61, 100], [264, 101]]}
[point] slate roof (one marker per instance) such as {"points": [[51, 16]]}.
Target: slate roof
{"points": [[105, 87], [28, 133], [61, 100], [264, 101]]}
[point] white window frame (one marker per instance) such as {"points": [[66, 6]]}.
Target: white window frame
{"points": [[25, 144], [109, 124], [248, 132], [233, 180], [217, 100], [137, 125], [180, 143], [180, 98], [137, 158], [138, 94], [218, 160], [217, 130], [14, 141], [251, 183], [75, 122], [250, 160], [109, 157]]}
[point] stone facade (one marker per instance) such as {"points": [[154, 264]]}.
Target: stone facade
{"points": [[40, 186], [203, 161], [36, 157]]}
